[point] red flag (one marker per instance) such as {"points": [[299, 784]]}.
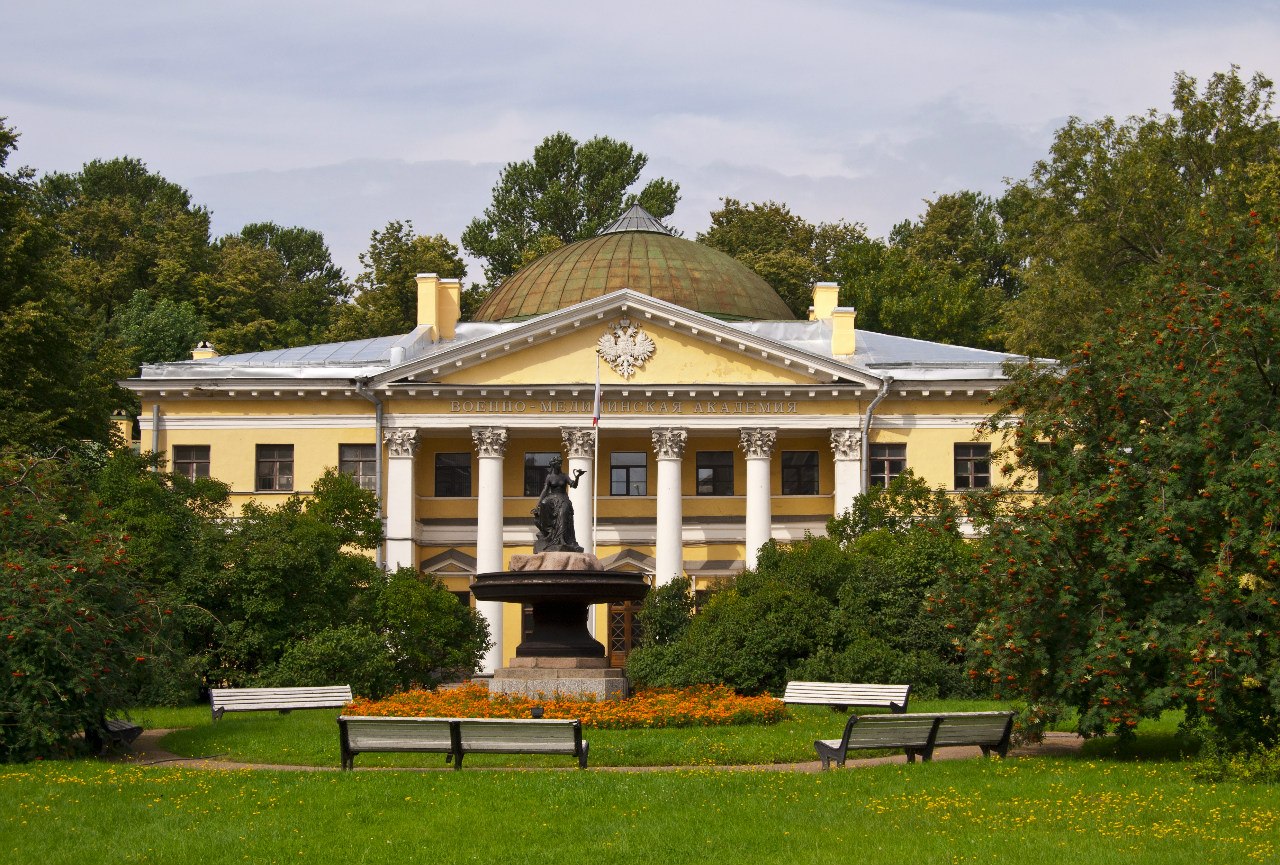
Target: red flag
{"points": [[595, 411]]}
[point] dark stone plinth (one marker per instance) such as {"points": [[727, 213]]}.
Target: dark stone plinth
{"points": [[560, 601]]}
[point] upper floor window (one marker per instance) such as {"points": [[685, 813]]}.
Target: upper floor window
{"points": [[715, 473], [799, 473], [191, 461], [629, 473], [887, 462], [973, 466], [275, 468], [535, 470], [359, 461], [453, 475]]}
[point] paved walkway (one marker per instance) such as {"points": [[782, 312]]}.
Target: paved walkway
{"points": [[147, 752]]}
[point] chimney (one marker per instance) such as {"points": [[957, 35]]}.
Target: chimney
{"points": [[842, 334], [429, 303], [203, 350], [826, 295], [449, 307]]}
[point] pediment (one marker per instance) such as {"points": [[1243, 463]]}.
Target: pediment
{"points": [[660, 344]]}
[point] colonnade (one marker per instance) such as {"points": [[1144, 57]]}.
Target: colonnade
{"points": [[669, 443]]}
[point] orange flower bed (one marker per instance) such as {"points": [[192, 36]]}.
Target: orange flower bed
{"points": [[704, 706]]}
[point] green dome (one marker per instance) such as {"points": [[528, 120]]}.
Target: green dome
{"points": [[636, 252]]}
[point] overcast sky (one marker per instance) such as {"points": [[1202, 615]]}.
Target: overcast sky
{"points": [[343, 116]]}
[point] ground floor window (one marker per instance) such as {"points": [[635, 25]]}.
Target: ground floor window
{"points": [[191, 461], [887, 462], [629, 473], [359, 461], [715, 473], [453, 475], [973, 466], [535, 470], [275, 468], [799, 473]]}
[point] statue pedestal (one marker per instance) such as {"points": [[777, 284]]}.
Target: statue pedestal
{"points": [[536, 677]]}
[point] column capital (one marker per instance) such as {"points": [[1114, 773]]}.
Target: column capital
{"points": [[578, 441], [846, 444], [490, 441], [669, 442], [758, 443], [401, 442]]}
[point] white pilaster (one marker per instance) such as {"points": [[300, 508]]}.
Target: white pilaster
{"points": [[668, 445], [758, 446], [846, 447], [401, 543], [491, 446], [580, 445]]}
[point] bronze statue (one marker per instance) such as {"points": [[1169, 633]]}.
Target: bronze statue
{"points": [[553, 514]]}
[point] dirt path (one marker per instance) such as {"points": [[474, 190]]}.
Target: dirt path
{"points": [[147, 752]]}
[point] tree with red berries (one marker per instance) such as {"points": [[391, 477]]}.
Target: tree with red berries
{"points": [[1145, 573]]}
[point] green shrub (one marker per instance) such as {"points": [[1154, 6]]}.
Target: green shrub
{"points": [[433, 638], [347, 655]]}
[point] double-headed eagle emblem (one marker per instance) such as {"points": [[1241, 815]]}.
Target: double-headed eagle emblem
{"points": [[625, 348]]}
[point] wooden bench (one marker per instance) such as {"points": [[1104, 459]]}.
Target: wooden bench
{"points": [[120, 733], [841, 695], [457, 737], [918, 734], [282, 700]]}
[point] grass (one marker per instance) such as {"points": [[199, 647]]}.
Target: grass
{"points": [[1066, 811], [310, 738]]}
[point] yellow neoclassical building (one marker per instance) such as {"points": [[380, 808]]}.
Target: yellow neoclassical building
{"points": [[723, 420]]}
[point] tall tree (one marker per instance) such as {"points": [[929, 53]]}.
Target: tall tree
{"points": [[1100, 213], [785, 250], [569, 191], [126, 229], [387, 302], [271, 287], [1145, 577], [56, 377]]}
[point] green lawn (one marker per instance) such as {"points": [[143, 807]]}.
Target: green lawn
{"points": [[1031, 810], [311, 739]]}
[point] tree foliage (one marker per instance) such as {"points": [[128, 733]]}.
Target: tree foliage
{"points": [[1144, 577], [57, 376], [387, 302], [1102, 213], [77, 621], [568, 191], [783, 249], [432, 637]]}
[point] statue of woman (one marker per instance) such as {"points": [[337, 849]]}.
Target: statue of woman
{"points": [[553, 514]]}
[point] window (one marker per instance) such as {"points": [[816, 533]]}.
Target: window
{"points": [[464, 598], [887, 462], [275, 468], [359, 461], [629, 473], [973, 466], [715, 473], [535, 471], [191, 461], [453, 475], [799, 473]]}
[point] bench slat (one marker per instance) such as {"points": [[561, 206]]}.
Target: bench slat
{"points": [[460, 736], [919, 734], [277, 699], [845, 694]]}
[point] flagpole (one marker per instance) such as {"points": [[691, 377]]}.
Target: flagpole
{"points": [[595, 468]]}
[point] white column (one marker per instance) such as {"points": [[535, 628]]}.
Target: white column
{"points": [[758, 446], [846, 447], [491, 445], [580, 445], [402, 545], [669, 444]]}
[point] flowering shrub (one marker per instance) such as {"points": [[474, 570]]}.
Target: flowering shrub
{"points": [[706, 706]]}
